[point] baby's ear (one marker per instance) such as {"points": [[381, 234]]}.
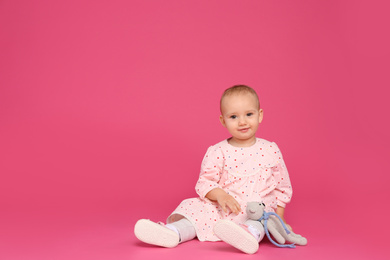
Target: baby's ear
{"points": [[222, 120], [261, 114]]}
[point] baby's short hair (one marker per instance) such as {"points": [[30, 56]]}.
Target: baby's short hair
{"points": [[240, 89]]}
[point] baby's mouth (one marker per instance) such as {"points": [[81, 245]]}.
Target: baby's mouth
{"points": [[243, 129]]}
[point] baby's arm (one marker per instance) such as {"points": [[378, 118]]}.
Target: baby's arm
{"points": [[225, 200], [209, 172], [283, 189], [280, 212], [208, 182]]}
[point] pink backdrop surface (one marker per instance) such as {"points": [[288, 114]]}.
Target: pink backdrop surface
{"points": [[107, 108]]}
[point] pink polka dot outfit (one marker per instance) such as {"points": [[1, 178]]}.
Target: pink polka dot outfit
{"points": [[255, 173]]}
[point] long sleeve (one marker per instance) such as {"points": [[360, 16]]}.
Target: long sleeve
{"points": [[210, 172], [283, 189]]}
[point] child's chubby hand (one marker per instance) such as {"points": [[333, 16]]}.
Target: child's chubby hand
{"points": [[227, 203]]}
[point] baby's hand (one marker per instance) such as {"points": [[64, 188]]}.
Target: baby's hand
{"points": [[228, 202]]}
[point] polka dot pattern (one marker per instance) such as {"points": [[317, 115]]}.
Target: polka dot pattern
{"points": [[255, 173]]}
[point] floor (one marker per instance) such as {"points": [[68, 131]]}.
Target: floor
{"points": [[107, 233]]}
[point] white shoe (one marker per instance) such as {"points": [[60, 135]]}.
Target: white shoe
{"points": [[237, 236], [155, 233]]}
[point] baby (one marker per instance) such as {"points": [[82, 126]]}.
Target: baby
{"points": [[235, 171]]}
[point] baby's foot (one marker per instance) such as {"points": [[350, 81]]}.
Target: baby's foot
{"points": [[236, 235], [155, 233]]}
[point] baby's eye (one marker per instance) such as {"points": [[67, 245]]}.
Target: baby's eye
{"points": [[233, 117], [249, 114]]}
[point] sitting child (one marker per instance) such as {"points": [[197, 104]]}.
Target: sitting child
{"points": [[235, 171]]}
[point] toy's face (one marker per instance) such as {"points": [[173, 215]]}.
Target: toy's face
{"points": [[255, 210]]}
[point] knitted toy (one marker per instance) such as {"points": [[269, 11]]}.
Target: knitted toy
{"points": [[274, 225]]}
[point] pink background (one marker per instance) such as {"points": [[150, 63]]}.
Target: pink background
{"points": [[107, 108]]}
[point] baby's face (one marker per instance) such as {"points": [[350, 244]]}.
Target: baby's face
{"points": [[241, 116]]}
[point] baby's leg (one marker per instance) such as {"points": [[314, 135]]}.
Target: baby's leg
{"points": [[164, 235], [184, 229], [243, 237]]}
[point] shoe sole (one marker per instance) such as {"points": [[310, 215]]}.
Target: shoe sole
{"points": [[236, 236], [155, 234]]}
